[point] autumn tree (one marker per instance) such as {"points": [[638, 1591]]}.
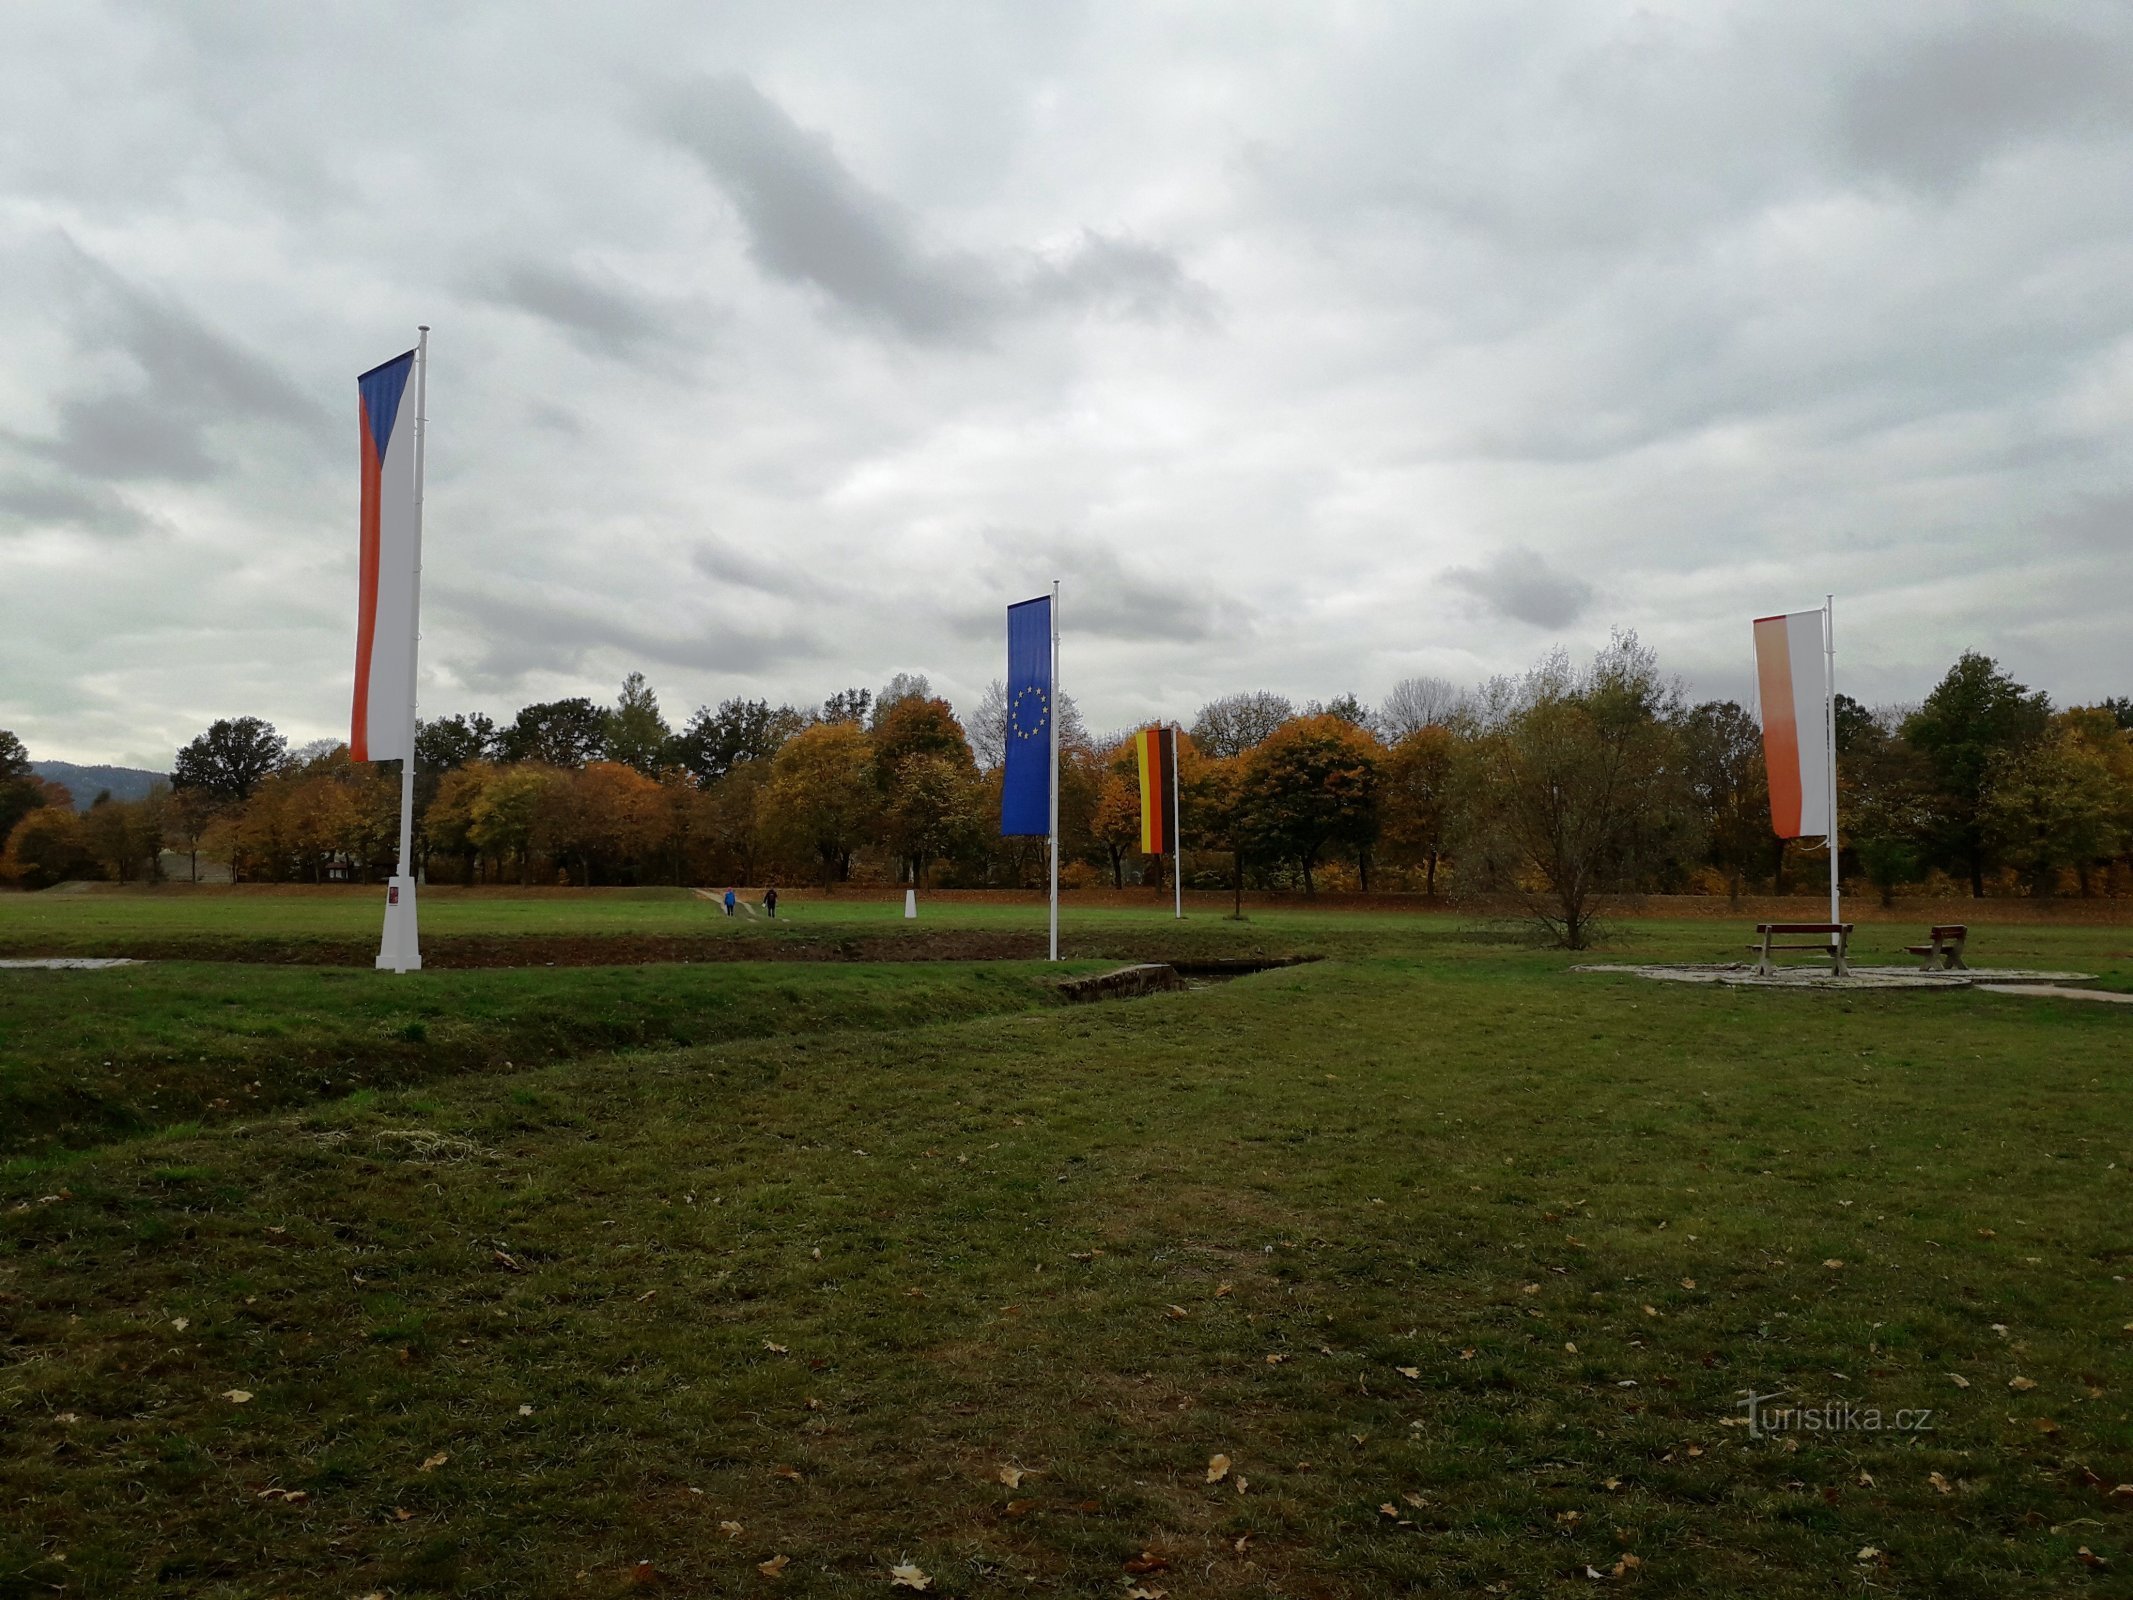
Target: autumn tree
{"points": [[1722, 761], [1116, 822], [46, 847], [1415, 799], [1312, 785], [21, 790], [714, 743], [1574, 787], [2050, 803], [1236, 722], [637, 735], [1413, 704], [230, 760], [931, 809], [557, 733], [506, 815], [1971, 725], [1885, 812], [822, 797]]}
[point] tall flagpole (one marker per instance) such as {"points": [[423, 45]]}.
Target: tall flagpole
{"points": [[1055, 771], [1829, 645], [1177, 817], [406, 951]]}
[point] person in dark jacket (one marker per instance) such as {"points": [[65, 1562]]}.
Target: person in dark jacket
{"points": [[770, 901]]}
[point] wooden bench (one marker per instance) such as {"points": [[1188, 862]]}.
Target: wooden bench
{"points": [[1836, 938], [1943, 948]]}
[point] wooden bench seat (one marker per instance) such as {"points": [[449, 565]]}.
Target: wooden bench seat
{"points": [[1833, 945], [1943, 949]]}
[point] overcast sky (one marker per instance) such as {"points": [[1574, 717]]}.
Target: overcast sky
{"points": [[779, 347]]}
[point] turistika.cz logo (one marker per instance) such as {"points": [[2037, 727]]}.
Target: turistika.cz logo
{"points": [[1832, 1416]]}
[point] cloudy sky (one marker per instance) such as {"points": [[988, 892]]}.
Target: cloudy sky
{"points": [[777, 347]]}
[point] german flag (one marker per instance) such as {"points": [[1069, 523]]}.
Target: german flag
{"points": [[1157, 749]]}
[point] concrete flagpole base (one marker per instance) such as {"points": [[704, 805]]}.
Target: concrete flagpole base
{"points": [[400, 950], [910, 904]]}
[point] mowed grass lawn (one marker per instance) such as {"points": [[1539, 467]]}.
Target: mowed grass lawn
{"points": [[1463, 1262]]}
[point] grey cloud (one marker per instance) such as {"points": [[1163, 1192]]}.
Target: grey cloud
{"points": [[1520, 585], [811, 221], [26, 505], [723, 564], [518, 637], [603, 318], [190, 380], [1100, 594], [1122, 276], [1934, 112]]}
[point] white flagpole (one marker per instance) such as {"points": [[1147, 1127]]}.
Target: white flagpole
{"points": [[1055, 772], [1829, 643], [404, 949], [1177, 816]]}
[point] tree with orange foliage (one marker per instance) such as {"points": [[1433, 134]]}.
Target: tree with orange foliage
{"points": [[1312, 785], [822, 797], [1417, 796]]}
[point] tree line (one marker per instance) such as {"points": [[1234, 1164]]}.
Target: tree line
{"points": [[1555, 787]]}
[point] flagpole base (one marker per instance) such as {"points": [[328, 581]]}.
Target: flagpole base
{"points": [[400, 950]]}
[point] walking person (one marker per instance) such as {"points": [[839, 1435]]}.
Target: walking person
{"points": [[770, 902], [729, 902]]}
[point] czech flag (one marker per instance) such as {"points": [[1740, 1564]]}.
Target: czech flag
{"points": [[1792, 681], [382, 728], [1157, 749]]}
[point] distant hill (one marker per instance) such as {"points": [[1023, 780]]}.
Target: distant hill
{"points": [[86, 783]]}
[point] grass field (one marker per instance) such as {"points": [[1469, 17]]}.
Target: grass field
{"points": [[640, 1278]]}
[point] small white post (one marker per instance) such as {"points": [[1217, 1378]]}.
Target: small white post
{"points": [[910, 905], [1054, 711], [401, 949], [1829, 644]]}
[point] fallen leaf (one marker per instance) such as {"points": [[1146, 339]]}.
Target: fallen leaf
{"points": [[1986, 1233], [1416, 1500], [1940, 1484], [1020, 1508], [1866, 1480], [181, 1323], [402, 1514], [1143, 1592], [504, 1259], [731, 1529], [790, 1474], [525, 1411], [1627, 1565], [1276, 1359], [1241, 1483], [1869, 1553], [775, 1349], [1530, 1288], [1176, 1313], [1223, 1289], [1147, 1561], [1960, 1381], [1688, 1283], [238, 1397], [2089, 1558], [1388, 1509], [1011, 1476], [1411, 1374], [1833, 1262], [2045, 1425], [1237, 1544], [1467, 1354], [432, 1463], [2022, 1385], [1217, 1468], [1573, 1349], [774, 1567], [908, 1576], [67, 1416], [1610, 1484], [2124, 1491]]}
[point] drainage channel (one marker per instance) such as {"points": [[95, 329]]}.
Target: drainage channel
{"points": [[1155, 977]]}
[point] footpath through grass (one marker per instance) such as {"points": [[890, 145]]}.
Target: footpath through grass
{"points": [[1464, 1263]]}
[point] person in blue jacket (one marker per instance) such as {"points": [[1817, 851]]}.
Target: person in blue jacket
{"points": [[729, 902]]}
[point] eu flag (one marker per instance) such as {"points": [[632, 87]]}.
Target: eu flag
{"points": [[1026, 792]]}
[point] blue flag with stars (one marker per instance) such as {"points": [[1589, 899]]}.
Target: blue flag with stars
{"points": [[1026, 792]]}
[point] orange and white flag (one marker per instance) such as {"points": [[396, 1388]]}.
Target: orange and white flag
{"points": [[1792, 678]]}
